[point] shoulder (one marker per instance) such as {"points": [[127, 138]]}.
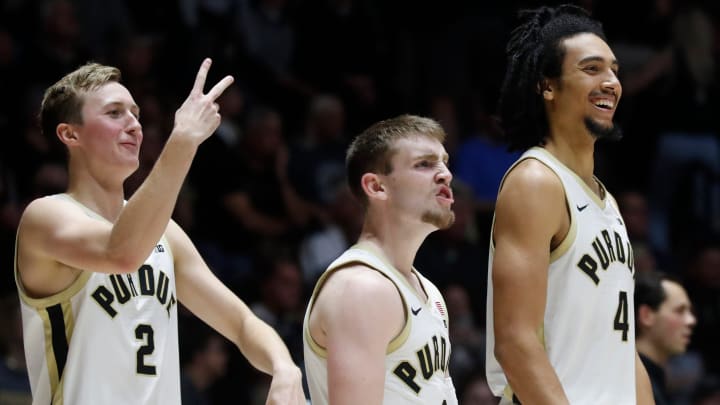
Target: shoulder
{"points": [[531, 174], [357, 295], [356, 281], [47, 212], [531, 203], [530, 184]]}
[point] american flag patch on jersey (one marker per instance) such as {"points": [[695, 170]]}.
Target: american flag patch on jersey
{"points": [[440, 308]]}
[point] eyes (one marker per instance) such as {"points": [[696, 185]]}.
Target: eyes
{"points": [[429, 164], [117, 112], [596, 68]]}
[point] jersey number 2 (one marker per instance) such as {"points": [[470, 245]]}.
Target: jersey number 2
{"points": [[621, 316], [145, 333]]}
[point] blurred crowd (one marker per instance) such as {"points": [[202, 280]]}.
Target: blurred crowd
{"points": [[266, 201]]}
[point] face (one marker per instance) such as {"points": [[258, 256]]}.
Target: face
{"points": [[674, 321], [588, 91], [419, 184], [110, 131]]}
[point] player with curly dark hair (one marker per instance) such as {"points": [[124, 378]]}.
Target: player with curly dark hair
{"points": [[560, 289]]}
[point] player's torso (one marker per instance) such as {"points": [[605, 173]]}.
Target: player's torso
{"points": [[588, 328], [417, 359], [107, 338]]}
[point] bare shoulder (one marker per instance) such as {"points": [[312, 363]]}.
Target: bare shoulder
{"points": [[532, 176], [354, 301], [531, 204], [42, 216], [38, 232], [358, 283], [531, 187]]}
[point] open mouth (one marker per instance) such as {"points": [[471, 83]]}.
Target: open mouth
{"points": [[445, 193], [604, 104]]}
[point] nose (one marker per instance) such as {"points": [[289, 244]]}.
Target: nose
{"points": [[134, 126], [612, 84], [444, 175], [691, 320]]}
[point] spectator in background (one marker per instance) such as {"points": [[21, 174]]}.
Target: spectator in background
{"points": [[203, 360], [338, 49], [321, 247], [281, 301], [483, 152], [634, 209], [664, 323], [317, 159], [703, 284], [255, 207], [466, 336]]}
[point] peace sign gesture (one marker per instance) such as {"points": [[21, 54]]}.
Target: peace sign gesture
{"points": [[198, 117]]}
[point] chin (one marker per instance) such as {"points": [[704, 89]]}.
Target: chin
{"points": [[442, 220], [603, 130]]}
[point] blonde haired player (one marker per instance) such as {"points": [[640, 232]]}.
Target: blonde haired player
{"points": [[376, 330], [100, 278]]}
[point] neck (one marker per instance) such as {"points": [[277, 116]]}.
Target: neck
{"points": [[577, 153], [650, 351], [396, 241], [104, 195]]}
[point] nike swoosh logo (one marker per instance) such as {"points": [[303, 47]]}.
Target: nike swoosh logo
{"points": [[583, 207], [415, 311]]}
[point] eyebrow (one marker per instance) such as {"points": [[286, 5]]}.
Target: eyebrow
{"points": [[133, 107], [597, 59], [433, 156]]}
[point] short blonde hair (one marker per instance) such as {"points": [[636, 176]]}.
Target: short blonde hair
{"points": [[63, 101], [373, 149]]}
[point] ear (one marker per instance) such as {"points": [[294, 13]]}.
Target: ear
{"points": [[546, 89], [66, 133], [373, 187], [646, 316]]}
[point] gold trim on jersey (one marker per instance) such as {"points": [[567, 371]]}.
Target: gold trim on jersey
{"points": [[367, 247], [60, 297], [599, 201], [55, 374], [569, 238], [394, 344]]}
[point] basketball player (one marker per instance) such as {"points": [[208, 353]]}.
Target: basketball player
{"points": [[100, 278], [664, 319], [376, 330], [560, 288]]}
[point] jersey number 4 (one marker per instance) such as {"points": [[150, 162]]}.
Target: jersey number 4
{"points": [[145, 333], [621, 316]]}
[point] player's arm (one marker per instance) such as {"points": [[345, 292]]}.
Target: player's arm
{"points": [[360, 312], [643, 387], [208, 298], [530, 211], [80, 242]]}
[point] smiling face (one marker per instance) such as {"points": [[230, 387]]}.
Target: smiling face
{"points": [[110, 131], [588, 91], [418, 184]]}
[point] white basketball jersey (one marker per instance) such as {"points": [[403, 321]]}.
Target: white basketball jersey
{"points": [[106, 339], [589, 324], [416, 364]]}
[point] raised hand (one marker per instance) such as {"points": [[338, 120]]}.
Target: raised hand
{"points": [[198, 117]]}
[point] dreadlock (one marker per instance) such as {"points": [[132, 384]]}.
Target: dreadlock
{"points": [[535, 52]]}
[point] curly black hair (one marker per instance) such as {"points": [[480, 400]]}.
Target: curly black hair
{"points": [[535, 52]]}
